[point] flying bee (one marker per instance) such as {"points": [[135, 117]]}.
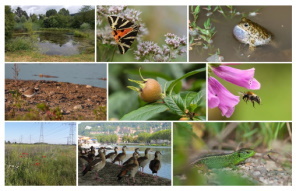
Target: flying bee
{"points": [[251, 96]]}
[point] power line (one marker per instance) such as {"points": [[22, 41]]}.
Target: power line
{"points": [[41, 138]]}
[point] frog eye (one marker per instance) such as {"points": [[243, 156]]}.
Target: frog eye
{"points": [[246, 24]]}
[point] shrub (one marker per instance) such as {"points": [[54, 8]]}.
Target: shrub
{"points": [[85, 26], [80, 34], [20, 43]]}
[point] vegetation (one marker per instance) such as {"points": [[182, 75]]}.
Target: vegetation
{"points": [[182, 88], [266, 138], [112, 126], [147, 137], [40, 165], [21, 30]]}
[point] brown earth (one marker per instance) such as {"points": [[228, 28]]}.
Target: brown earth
{"points": [[108, 176], [54, 101]]}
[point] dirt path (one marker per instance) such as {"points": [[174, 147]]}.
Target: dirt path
{"points": [[61, 101], [108, 177]]}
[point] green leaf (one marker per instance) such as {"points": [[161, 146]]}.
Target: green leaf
{"points": [[197, 9], [163, 83], [172, 85], [146, 112], [198, 118], [175, 104]]}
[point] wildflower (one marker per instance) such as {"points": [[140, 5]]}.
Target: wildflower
{"points": [[219, 96], [243, 78], [152, 52]]}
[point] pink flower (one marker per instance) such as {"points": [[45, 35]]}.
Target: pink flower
{"points": [[219, 96], [243, 78]]}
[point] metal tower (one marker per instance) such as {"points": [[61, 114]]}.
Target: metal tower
{"points": [[41, 138]]}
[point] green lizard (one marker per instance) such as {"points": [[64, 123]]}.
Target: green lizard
{"points": [[223, 160]]}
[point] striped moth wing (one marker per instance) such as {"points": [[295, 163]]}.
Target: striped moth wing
{"points": [[123, 31]]}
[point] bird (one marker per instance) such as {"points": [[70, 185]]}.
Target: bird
{"points": [[98, 156], [112, 155], [131, 159], [96, 165], [143, 161], [30, 92], [155, 164], [85, 160], [120, 156], [129, 170]]}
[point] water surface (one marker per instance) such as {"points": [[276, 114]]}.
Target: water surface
{"points": [[86, 74], [277, 19]]}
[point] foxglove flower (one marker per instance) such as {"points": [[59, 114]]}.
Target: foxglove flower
{"points": [[243, 78], [219, 96]]}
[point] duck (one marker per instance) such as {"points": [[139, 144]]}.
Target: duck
{"points": [[96, 165], [120, 156], [131, 159], [98, 156], [112, 155], [143, 161], [84, 160], [155, 164], [129, 170]]}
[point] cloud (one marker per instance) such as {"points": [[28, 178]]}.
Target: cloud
{"points": [[41, 9]]}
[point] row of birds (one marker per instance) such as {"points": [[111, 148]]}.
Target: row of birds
{"points": [[95, 163]]}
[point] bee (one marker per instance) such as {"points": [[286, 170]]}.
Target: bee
{"points": [[251, 96]]}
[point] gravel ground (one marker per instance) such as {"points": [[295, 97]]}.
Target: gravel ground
{"points": [[108, 177], [76, 102], [254, 171]]}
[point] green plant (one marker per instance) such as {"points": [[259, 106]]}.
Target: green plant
{"points": [[100, 112], [187, 103]]}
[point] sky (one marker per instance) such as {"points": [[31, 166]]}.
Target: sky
{"points": [[41, 9], [29, 132]]}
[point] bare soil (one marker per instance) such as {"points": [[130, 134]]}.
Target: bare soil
{"points": [[62, 101], [108, 176]]}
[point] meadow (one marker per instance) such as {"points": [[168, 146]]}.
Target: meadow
{"points": [[28, 164]]}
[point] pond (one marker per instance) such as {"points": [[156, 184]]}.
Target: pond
{"points": [[87, 74], [165, 158], [276, 19], [61, 43]]}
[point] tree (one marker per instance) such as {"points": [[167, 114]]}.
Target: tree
{"points": [[34, 18], [85, 15], [51, 12], [64, 12], [20, 12], [23, 19], [9, 22], [143, 137]]}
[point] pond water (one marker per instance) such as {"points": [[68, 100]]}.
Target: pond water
{"points": [[87, 74], [165, 158], [61, 43], [277, 19]]}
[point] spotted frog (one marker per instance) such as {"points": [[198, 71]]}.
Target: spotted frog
{"points": [[251, 33]]}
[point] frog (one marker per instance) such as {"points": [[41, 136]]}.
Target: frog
{"points": [[251, 33]]}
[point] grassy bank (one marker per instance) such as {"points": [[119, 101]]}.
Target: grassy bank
{"points": [[33, 56], [40, 164]]}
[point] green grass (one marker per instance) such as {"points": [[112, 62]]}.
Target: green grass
{"points": [[40, 164], [20, 43]]}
